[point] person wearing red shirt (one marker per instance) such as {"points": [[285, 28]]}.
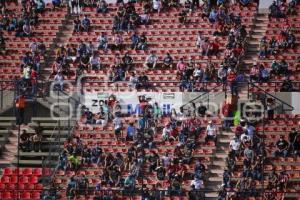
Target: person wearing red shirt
{"points": [[226, 112], [231, 79], [213, 48]]}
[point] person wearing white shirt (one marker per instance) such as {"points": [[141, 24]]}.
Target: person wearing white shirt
{"points": [[157, 5], [151, 61], [197, 183], [166, 132], [235, 145], [117, 126], [211, 132], [133, 81], [200, 40], [59, 80]]}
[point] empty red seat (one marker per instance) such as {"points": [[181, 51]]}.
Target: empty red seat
{"points": [[25, 195]]}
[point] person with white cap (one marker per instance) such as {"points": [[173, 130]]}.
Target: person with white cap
{"points": [[211, 132]]}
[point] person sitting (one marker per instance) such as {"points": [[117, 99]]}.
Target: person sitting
{"points": [[25, 142], [56, 3], [86, 23], [144, 18], [2, 43], [95, 61], [296, 146], [77, 25], [245, 2], [118, 41], [102, 42], [143, 81], [213, 15], [282, 147], [142, 45], [182, 17], [156, 6], [291, 40], [287, 85], [133, 81], [264, 74], [151, 61], [168, 61], [274, 10], [27, 30], [102, 6], [127, 62], [134, 41]]}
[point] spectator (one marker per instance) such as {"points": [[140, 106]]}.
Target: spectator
{"points": [[142, 42], [282, 147], [77, 25], [222, 73], [118, 126], [86, 23], [181, 66], [102, 42], [235, 146], [168, 61], [95, 61], [157, 6], [151, 61], [129, 183], [287, 85], [73, 162], [144, 18], [26, 30], [226, 112], [127, 62], [59, 81], [134, 41], [37, 140], [102, 6], [197, 183], [264, 75], [56, 3], [200, 40], [25, 142], [20, 106], [270, 108], [71, 187], [133, 81], [131, 132], [293, 134], [296, 146], [118, 41], [254, 73], [211, 132], [2, 43], [183, 17], [213, 15]]}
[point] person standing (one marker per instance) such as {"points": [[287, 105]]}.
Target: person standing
{"points": [[20, 109]]}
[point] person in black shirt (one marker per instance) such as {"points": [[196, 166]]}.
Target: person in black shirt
{"points": [[89, 116], [2, 42], [282, 147], [286, 86], [142, 45], [77, 25], [168, 61], [292, 136], [160, 172], [143, 81], [127, 62]]}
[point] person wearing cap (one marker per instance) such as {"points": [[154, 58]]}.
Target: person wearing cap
{"points": [[211, 132]]}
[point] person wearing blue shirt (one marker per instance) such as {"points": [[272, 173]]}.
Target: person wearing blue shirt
{"points": [[142, 123], [130, 132], [86, 23], [213, 16], [134, 41]]}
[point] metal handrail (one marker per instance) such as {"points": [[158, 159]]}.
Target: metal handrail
{"points": [[274, 97]]}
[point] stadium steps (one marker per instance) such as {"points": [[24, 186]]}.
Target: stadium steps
{"points": [[259, 28]]}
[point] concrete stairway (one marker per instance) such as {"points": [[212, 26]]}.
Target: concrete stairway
{"points": [[8, 140], [218, 164], [258, 31]]}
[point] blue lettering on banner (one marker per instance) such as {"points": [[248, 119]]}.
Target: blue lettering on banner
{"points": [[130, 110]]}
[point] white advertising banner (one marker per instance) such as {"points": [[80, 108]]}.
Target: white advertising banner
{"points": [[130, 100]]}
